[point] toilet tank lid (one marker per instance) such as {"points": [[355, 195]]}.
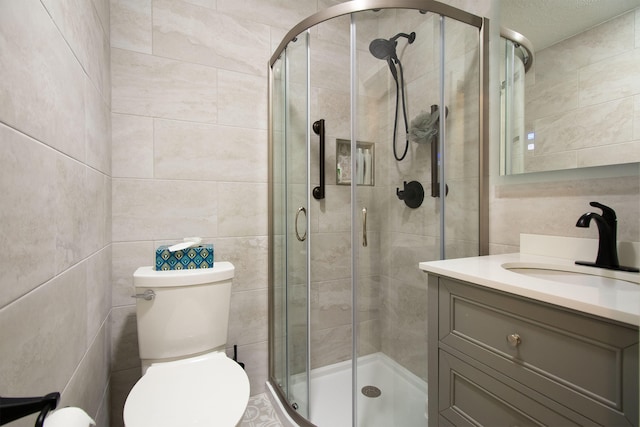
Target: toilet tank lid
{"points": [[149, 277]]}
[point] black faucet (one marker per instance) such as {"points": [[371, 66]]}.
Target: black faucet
{"points": [[607, 246]]}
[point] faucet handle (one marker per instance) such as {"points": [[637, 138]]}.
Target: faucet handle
{"points": [[607, 213]]}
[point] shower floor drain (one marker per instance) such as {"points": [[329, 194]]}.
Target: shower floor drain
{"points": [[371, 391]]}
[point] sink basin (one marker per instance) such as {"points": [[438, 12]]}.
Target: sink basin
{"points": [[573, 274]]}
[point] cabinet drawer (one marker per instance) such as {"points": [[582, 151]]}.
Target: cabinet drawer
{"points": [[470, 397], [576, 359]]}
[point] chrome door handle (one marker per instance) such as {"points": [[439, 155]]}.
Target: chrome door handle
{"points": [[364, 227], [304, 236], [147, 295]]}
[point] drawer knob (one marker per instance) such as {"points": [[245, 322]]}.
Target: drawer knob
{"points": [[514, 340]]}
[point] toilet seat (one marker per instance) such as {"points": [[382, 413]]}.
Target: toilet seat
{"points": [[209, 390]]}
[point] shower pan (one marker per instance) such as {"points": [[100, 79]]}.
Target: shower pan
{"points": [[347, 302]]}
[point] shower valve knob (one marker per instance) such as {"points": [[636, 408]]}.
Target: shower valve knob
{"points": [[412, 194]]}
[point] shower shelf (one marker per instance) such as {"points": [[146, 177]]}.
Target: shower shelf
{"points": [[366, 156]]}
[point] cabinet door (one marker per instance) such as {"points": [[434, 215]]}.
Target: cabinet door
{"points": [[584, 363], [470, 397]]}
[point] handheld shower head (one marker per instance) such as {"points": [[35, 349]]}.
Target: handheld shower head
{"points": [[383, 48], [386, 50]]}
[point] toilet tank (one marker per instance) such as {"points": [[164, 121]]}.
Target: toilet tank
{"points": [[189, 313]]}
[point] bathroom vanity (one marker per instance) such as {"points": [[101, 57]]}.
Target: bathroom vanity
{"points": [[508, 348]]}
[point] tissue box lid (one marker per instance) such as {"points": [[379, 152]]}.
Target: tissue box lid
{"points": [[200, 256]]}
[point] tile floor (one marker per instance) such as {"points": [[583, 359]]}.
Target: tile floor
{"points": [[260, 413]]}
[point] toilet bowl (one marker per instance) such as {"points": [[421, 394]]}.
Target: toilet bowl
{"points": [[208, 390], [187, 379]]}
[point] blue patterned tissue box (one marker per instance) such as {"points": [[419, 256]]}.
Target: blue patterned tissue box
{"points": [[200, 256]]}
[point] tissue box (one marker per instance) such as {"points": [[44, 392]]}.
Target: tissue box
{"points": [[200, 256]]}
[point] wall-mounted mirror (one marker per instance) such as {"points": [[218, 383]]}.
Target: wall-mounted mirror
{"points": [[578, 105]]}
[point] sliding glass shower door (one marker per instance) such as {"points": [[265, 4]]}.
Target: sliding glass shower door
{"points": [[422, 207], [290, 224]]}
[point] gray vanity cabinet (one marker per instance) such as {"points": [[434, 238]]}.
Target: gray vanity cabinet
{"points": [[496, 359]]}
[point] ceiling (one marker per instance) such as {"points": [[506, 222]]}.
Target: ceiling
{"points": [[546, 22]]}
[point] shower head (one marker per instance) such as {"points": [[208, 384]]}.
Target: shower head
{"points": [[383, 48], [386, 49]]}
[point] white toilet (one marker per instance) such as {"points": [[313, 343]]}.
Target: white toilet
{"points": [[187, 378]]}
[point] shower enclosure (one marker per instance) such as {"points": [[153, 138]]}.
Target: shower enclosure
{"points": [[349, 222]]}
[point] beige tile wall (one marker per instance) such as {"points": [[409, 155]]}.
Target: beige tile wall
{"points": [[552, 208], [189, 117], [55, 218]]}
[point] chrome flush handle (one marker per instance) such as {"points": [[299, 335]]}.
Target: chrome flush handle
{"points": [[147, 295]]}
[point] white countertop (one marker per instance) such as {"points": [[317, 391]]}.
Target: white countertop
{"points": [[619, 301]]}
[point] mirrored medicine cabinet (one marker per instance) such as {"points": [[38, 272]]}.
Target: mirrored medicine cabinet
{"points": [[578, 105]]}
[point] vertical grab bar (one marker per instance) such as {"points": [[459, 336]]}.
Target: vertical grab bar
{"points": [[318, 128], [435, 153], [435, 184], [364, 227]]}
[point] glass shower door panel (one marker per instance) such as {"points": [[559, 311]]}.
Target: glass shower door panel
{"points": [[390, 290], [331, 335], [278, 342], [297, 209], [462, 139]]}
